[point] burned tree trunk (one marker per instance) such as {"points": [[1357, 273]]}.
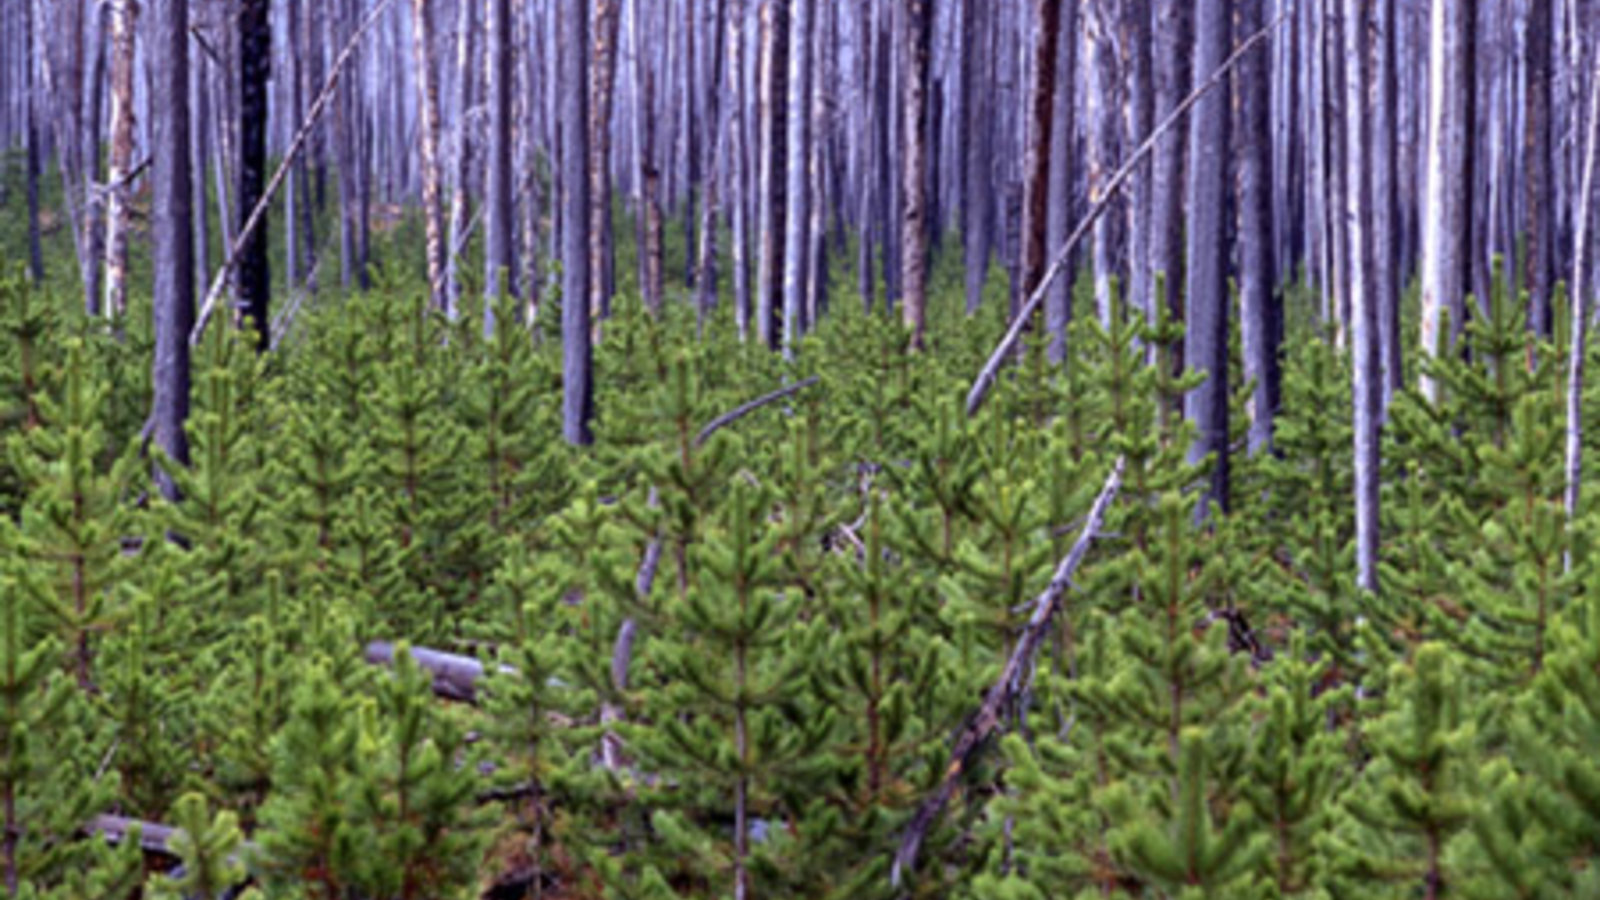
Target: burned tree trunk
{"points": [[499, 254], [577, 357], [255, 69], [1259, 301], [769, 182], [171, 239], [915, 50]]}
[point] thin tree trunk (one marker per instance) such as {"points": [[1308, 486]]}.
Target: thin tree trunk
{"points": [[647, 173], [1041, 106], [170, 236], [31, 151], [797, 221], [1206, 340], [738, 160], [1367, 374], [977, 196], [1445, 214], [460, 201], [255, 69], [1064, 134], [1105, 104], [1539, 161], [607, 19], [124, 19], [1259, 302], [774, 145], [914, 232], [1581, 251], [706, 277], [500, 263], [577, 358], [1172, 77], [427, 87], [1386, 225]]}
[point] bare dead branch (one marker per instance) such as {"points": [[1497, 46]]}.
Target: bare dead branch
{"points": [[1010, 683]]}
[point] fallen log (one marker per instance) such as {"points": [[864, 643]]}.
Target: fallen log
{"points": [[455, 677], [1013, 679]]}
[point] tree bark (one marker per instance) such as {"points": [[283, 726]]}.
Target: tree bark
{"points": [[31, 151], [1172, 77], [647, 172], [1539, 164], [774, 147], [428, 89], [460, 201], [706, 275], [1105, 104], [738, 160], [914, 216], [1581, 289], [1063, 136], [977, 195], [124, 19], [797, 220], [1446, 223], [577, 357], [1386, 223], [255, 69], [1206, 340], [500, 262], [171, 239], [1041, 106], [1260, 304], [607, 21], [1367, 371]]}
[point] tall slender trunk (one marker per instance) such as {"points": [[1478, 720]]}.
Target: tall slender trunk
{"points": [[577, 357], [254, 277], [1581, 289], [124, 18], [499, 262], [1259, 302], [607, 19], [199, 141], [1386, 225], [797, 221], [170, 236], [1445, 223], [1538, 181], [1041, 106], [706, 276], [774, 147], [31, 150], [1367, 373], [977, 196], [647, 172], [460, 200], [427, 87], [1206, 340], [1105, 104], [915, 49], [739, 158], [1172, 77], [1063, 163]]}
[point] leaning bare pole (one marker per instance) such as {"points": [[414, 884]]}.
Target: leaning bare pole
{"points": [[1580, 311], [300, 142], [991, 369], [1011, 682]]}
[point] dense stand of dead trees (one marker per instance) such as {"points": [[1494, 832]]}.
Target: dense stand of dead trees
{"points": [[1171, 146]]}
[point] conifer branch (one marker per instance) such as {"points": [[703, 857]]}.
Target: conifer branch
{"points": [[991, 369], [1009, 685]]}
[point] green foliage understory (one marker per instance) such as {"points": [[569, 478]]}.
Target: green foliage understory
{"points": [[1219, 712]]}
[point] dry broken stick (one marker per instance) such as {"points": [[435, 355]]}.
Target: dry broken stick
{"points": [[991, 369], [1010, 684]]}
